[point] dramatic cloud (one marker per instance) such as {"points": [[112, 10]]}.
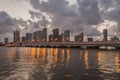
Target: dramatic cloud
{"points": [[6, 23], [66, 16], [110, 10], [35, 15], [82, 16], [9, 24], [90, 11]]}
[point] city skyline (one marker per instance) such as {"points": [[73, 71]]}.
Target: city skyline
{"points": [[59, 39], [90, 19], [56, 36]]}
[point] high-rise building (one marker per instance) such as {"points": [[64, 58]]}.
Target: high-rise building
{"points": [[62, 37], [56, 36], [23, 39], [51, 38], [28, 37], [34, 36], [16, 36], [105, 33], [6, 40], [39, 36], [79, 37], [44, 35], [66, 36]]}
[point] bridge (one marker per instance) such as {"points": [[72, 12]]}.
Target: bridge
{"points": [[94, 44]]}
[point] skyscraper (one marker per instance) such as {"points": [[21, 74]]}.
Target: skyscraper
{"points": [[23, 39], [56, 36], [6, 41], [16, 36], [28, 37], [67, 36], [44, 35], [34, 36], [79, 37], [51, 38], [105, 33]]}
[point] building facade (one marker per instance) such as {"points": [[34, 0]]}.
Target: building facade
{"points": [[105, 34], [66, 36], [56, 36], [6, 40], [28, 37], [79, 37], [16, 36]]}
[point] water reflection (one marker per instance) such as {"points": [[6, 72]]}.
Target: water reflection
{"points": [[58, 64]]}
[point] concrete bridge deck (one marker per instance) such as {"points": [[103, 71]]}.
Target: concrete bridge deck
{"points": [[73, 44]]}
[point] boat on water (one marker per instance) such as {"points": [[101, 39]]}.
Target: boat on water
{"points": [[9, 45], [107, 48]]}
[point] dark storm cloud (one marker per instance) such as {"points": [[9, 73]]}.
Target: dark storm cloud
{"points": [[6, 23], [35, 15], [68, 16], [9, 24], [111, 11], [90, 11]]}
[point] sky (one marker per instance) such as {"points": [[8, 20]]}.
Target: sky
{"points": [[88, 16]]}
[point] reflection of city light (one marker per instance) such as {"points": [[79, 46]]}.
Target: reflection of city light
{"points": [[55, 53], [63, 52], [99, 57], [14, 53], [68, 57], [33, 53], [117, 62], [86, 59]]}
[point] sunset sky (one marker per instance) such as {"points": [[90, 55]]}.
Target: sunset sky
{"points": [[88, 16]]}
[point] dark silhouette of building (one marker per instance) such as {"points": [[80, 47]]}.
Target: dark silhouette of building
{"points": [[6, 40], [23, 39], [66, 36], [40, 36], [79, 37], [115, 38], [34, 36], [90, 39], [28, 37], [51, 38], [105, 34], [16, 36], [44, 35], [62, 37], [56, 36]]}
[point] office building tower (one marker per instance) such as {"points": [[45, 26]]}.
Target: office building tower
{"points": [[56, 36], [34, 36], [66, 36], [44, 35], [6, 40], [28, 37], [79, 37], [23, 39], [16, 36], [51, 38], [105, 33]]}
